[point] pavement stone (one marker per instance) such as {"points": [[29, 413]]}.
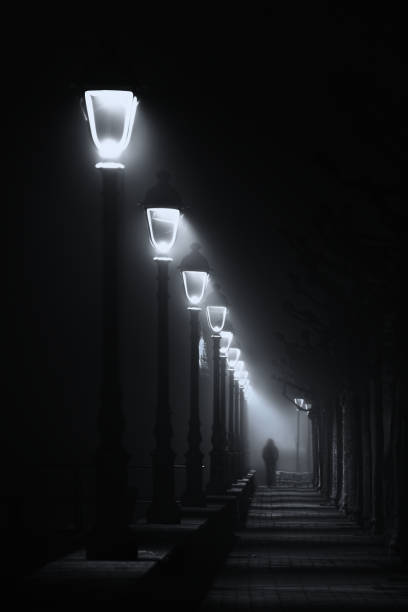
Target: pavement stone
{"points": [[298, 551]]}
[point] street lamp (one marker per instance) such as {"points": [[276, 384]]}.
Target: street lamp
{"points": [[308, 407], [195, 272], [162, 204], [238, 397], [111, 115], [243, 418], [299, 402], [233, 355], [216, 315]]}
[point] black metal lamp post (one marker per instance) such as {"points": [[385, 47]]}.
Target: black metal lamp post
{"points": [[246, 428], [195, 271], [239, 367], [308, 407], [232, 359], [163, 203], [299, 402], [225, 343], [111, 114], [243, 423], [216, 315]]}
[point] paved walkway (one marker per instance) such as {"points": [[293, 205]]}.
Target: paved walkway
{"points": [[299, 552]]}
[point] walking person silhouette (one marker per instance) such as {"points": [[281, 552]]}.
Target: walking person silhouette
{"points": [[270, 455]]}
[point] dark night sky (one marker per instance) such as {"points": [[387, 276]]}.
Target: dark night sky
{"points": [[277, 127]]}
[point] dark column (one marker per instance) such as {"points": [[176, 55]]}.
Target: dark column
{"points": [[309, 444], [217, 483], [347, 480], [339, 466], [109, 538], [366, 457], [297, 440], [163, 508], [322, 449], [377, 518], [315, 448], [356, 454], [329, 446], [392, 433], [334, 452], [194, 495]]}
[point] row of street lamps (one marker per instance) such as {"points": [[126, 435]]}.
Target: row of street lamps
{"points": [[111, 116]]}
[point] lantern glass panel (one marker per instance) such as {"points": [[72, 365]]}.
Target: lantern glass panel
{"points": [[225, 342], [216, 317], [195, 283], [163, 224], [233, 355], [111, 115]]}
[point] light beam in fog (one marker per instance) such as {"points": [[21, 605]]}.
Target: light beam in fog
{"points": [[271, 417]]}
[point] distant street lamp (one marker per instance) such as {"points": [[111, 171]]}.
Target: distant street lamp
{"points": [[233, 355], [110, 114], [162, 204], [240, 376], [225, 342], [299, 402], [308, 407], [195, 272]]}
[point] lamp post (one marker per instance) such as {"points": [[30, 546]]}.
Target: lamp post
{"points": [[225, 343], [247, 436], [308, 407], [111, 115], [232, 359], [216, 315], [162, 204], [195, 272], [239, 367], [299, 402], [243, 421]]}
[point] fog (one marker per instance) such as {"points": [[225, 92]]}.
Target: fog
{"points": [[272, 416]]}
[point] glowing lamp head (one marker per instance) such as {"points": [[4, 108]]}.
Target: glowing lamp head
{"points": [[216, 318], [299, 401], [163, 224], [242, 378], [216, 309], [111, 114], [307, 406], [233, 355], [239, 367], [225, 342], [195, 283], [195, 272]]}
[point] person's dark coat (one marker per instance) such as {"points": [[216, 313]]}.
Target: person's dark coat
{"points": [[270, 455]]}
